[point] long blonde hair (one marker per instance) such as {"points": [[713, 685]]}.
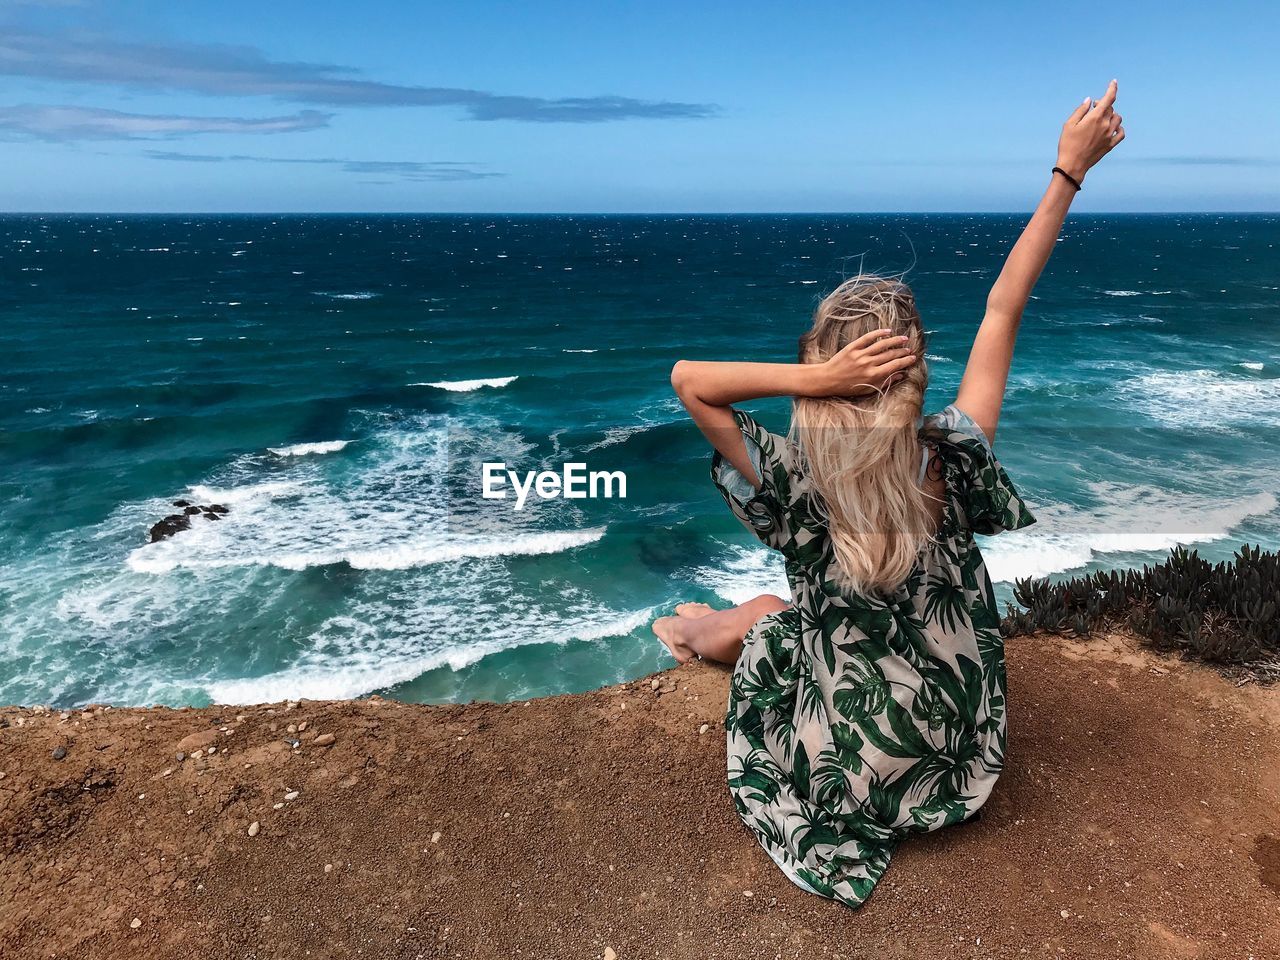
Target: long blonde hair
{"points": [[862, 454]]}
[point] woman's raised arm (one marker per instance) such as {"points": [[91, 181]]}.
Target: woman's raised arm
{"points": [[1087, 136]]}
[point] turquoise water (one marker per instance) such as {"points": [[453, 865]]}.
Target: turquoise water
{"points": [[289, 368]]}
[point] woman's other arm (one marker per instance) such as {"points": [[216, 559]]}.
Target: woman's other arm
{"points": [[1087, 136], [708, 389]]}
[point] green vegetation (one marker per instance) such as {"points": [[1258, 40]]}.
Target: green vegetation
{"points": [[1225, 613]]}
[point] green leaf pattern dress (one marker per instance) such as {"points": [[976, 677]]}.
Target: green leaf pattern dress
{"points": [[856, 720]]}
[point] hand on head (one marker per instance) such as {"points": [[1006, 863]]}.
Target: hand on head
{"points": [[870, 364]]}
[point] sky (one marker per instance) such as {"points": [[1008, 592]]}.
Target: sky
{"points": [[625, 107]]}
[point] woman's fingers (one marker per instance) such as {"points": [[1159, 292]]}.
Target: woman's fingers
{"points": [[883, 345], [1078, 113], [1116, 120], [896, 365], [1109, 97], [866, 340]]}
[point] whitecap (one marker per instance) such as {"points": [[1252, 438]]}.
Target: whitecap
{"points": [[466, 386], [350, 656], [1251, 365], [616, 435], [1131, 520], [177, 551], [1123, 293], [746, 573], [306, 449], [1205, 398], [361, 295]]}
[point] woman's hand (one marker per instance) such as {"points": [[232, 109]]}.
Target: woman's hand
{"points": [[1090, 133], [864, 366]]}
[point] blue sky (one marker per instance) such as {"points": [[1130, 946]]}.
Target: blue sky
{"points": [[606, 107]]}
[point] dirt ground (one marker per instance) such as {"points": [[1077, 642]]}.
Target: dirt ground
{"points": [[1138, 816]]}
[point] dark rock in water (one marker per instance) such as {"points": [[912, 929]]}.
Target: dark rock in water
{"points": [[59, 752], [177, 522], [166, 528]]}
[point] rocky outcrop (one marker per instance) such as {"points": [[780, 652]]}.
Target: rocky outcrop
{"points": [[177, 522]]}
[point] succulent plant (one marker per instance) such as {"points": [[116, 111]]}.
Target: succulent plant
{"points": [[1223, 613]]}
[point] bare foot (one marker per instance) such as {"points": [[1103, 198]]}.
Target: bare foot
{"points": [[670, 631], [692, 611]]}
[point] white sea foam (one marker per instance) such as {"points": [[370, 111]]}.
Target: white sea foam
{"points": [[214, 550], [1132, 520], [399, 510], [746, 573], [307, 449], [1205, 398], [268, 490], [466, 386], [1123, 293], [350, 656], [616, 435], [361, 295], [1251, 365], [580, 351]]}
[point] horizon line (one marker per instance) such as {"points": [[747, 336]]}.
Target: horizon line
{"points": [[613, 213]]}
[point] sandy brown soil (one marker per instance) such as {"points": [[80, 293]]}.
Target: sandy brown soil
{"points": [[1138, 816]]}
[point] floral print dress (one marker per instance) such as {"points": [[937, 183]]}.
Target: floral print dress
{"points": [[856, 720]]}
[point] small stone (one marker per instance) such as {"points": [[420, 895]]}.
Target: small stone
{"points": [[325, 740], [703, 729], [291, 728], [748, 893], [59, 752], [328, 868], [655, 683], [610, 954], [302, 726], [291, 795], [180, 756], [277, 806], [254, 828], [435, 837], [1065, 914], [135, 923]]}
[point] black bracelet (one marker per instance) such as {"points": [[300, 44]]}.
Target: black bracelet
{"points": [[1070, 179]]}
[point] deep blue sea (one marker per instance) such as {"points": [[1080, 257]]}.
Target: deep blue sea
{"points": [[336, 381]]}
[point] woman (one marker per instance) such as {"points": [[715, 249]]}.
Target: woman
{"points": [[872, 705]]}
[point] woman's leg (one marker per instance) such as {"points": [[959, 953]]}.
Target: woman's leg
{"points": [[718, 635]]}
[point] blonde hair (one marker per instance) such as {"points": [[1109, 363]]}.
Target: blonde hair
{"points": [[862, 454]]}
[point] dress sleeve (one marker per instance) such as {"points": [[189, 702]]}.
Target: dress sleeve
{"points": [[765, 512], [986, 494]]}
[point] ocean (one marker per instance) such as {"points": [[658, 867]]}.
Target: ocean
{"points": [[336, 383]]}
